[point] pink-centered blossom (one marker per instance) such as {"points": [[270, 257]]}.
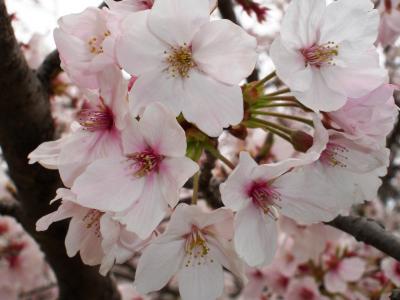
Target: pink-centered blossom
{"points": [[304, 289], [352, 168], [186, 62], [369, 118], [325, 54], [128, 6], [96, 134], [86, 43], [259, 192], [389, 28], [195, 246], [391, 269], [340, 272], [139, 183], [94, 234]]}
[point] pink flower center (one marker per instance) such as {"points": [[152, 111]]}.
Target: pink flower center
{"points": [[397, 268], [180, 61], [306, 294], [319, 55], [196, 248], [334, 155], [96, 120], [146, 162], [264, 196], [11, 253], [92, 221], [95, 43]]}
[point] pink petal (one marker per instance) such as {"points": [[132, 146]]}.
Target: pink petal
{"points": [[108, 185], [225, 51], [334, 283], [177, 21], [351, 269]]}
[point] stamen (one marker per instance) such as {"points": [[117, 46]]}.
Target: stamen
{"points": [[145, 162], [196, 248], [96, 120], [180, 61], [92, 220], [334, 155], [265, 197], [95, 43], [319, 55]]}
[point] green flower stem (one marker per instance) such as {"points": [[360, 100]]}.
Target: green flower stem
{"points": [[214, 152], [265, 79], [273, 125], [255, 124], [284, 116], [196, 179], [280, 92]]}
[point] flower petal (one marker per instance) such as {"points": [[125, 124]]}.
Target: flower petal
{"points": [[224, 51], [256, 236], [211, 105], [176, 21], [158, 263], [107, 185]]}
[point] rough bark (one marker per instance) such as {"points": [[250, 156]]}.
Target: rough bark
{"points": [[25, 122]]}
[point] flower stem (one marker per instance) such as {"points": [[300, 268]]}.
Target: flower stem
{"points": [[214, 152], [284, 116], [278, 98], [265, 79], [196, 179], [274, 104], [252, 123], [280, 92], [273, 125]]}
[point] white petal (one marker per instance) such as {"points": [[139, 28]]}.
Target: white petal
{"points": [[47, 153], [158, 263], [147, 212], [255, 236], [138, 50], [201, 282], [211, 105], [225, 51], [169, 92], [301, 21], [352, 268], [162, 131], [175, 172], [334, 283], [290, 66], [320, 96], [176, 21], [233, 190], [108, 185], [132, 138]]}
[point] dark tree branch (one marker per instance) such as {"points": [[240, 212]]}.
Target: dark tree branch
{"points": [[370, 232], [25, 122], [49, 69]]}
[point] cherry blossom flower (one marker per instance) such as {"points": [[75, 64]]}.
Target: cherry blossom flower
{"points": [[370, 118], [353, 169], [389, 28], [304, 289], [128, 6], [191, 65], [391, 269], [140, 183], [98, 238], [342, 271], [257, 193], [194, 246], [86, 45], [325, 54], [95, 135]]}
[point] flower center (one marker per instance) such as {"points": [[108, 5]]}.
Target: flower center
{"points": [[96, 120], [145, 162], [11, 252], [306, 294], [92, 221], [319, 55], [265, 197], [180, 61], [96, 43], [334, 155], [196, 248]]}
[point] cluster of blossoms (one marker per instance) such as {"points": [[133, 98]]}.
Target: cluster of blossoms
{"points": [[161, 81], [22, 266]]}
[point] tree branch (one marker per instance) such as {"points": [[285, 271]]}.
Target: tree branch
{"points": [[25, 122], [370, 232]]}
